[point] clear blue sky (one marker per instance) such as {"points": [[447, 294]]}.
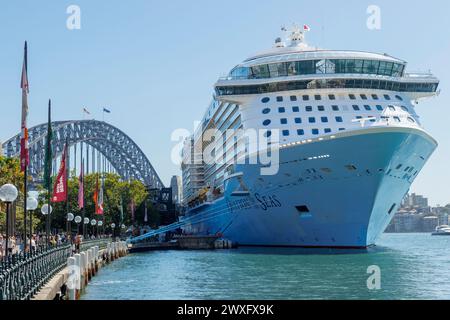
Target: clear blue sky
{"points": [[154, 63]]}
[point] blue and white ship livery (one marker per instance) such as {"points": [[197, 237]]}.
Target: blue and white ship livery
{"points": [[351, 144]]}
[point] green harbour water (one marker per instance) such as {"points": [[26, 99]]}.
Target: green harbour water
{"points": [[413, 266]]}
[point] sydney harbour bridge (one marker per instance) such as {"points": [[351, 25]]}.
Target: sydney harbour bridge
{"points": [[103, 146]]}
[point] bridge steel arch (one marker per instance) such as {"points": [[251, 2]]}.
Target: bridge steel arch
{"points": [[120, 150]]}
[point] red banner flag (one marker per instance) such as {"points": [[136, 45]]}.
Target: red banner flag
{"points": [[59, 189], [98, 198]]}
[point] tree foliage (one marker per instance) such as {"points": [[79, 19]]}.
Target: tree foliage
{"points": [[118, 195]]}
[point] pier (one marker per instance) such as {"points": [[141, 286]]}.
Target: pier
{"points": [[56, 273], [184, 243]]}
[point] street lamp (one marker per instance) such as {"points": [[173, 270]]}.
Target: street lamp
{"points": [[78, 221], [46, 210], [70, 217], [85, 224], [93, 224], [99, 224], [8, 194], [32, 205]]}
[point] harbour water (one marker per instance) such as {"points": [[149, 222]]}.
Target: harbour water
{"points": [[413, 266]]}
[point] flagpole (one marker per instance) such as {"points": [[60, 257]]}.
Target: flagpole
{"points": [[24, 152], [48, 164], [67, 184]]}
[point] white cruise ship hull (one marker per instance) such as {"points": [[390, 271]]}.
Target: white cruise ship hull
{"points": [[341, 191]]}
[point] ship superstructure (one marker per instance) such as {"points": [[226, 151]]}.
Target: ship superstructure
{"points": [[348, 139]]}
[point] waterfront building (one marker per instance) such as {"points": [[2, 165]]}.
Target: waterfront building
{"points": [[177, 189], [349, 142], [430, 223]]}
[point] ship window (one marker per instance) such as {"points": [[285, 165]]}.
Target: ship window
{"points": [[300, 132], [305, 98], [267, 122], [315, 132], [341, 129], [352, 97], [399, 167], [327, 130], [356, 107], [335, 108], [374, 97], [312, 120], [397, 119], [399, 98], [387, 97], [404, 108], [392, 208], [339, 119], [295, 109], [358, 117], [411, 120], [285, 133], [302, 209], [268, 134], [318, 97], [266, 111], [368, 108], [293, 98], [283, 121], [332, 97], [379, 108], [350, 167], [324, 119], [298, 120], [279, 99], [321, 108], [282, 110], [392, 108], [265, 100], [372, 119], [309, 108], [364, 97]]}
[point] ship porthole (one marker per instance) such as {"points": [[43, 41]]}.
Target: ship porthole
{"points": [[265, 100]]}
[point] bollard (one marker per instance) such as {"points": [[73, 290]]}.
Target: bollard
{"points": [[84, 279], [96, 259], [88, 264], [108, 249], [74, 278], [80, 272]]}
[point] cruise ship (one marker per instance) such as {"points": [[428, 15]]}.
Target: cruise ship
{"points": [[343, 137]]}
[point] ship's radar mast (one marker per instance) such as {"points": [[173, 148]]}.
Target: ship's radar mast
{"points": [[295, 37]]}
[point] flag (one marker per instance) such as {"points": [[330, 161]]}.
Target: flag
{"points": [[96, 195], [106, 110], [86, 111], [145, 216], [48, 151], [98, 198], [306, 28], [59, 189], [24, 154], [81, 186]]}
